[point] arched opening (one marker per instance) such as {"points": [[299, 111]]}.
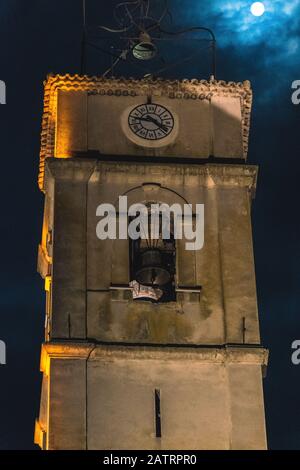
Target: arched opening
{"points": [[152, 256]]}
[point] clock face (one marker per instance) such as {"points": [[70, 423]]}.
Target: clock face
{"points": [[151, 121]]}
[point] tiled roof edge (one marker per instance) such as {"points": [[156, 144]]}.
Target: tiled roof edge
{"points": [[180, 89]]}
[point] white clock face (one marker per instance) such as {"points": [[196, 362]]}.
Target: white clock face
{"points": [[151, 122]]}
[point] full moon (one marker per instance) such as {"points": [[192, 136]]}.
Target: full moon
{"points": [[257, 9]]}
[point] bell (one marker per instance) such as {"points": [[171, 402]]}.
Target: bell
{"points": [[144, 49], [151, 271]]}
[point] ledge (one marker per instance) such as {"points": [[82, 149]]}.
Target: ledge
{"points": [[227, 354], [208, 175]]}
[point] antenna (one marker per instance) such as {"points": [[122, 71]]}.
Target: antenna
{"points": [[141, 35], [83, 41]]}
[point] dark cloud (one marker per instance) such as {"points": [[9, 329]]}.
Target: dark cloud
{"points": [[270, 42]]}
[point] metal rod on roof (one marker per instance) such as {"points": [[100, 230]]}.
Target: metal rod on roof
{"points": [[84, 12], [83, 41], [214, 59]]}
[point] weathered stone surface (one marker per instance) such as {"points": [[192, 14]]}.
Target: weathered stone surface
{"points": [[71, 126], [69, 250], [85, 267], [67, 398], [210, 398], [106, 354], [83, 113]]}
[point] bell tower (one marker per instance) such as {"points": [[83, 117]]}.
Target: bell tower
{"points": [[124, 367], [148, 344]]}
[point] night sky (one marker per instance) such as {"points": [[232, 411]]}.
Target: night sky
{"points": [[42, 36]]}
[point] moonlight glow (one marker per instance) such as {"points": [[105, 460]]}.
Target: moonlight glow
{"points": [[257, 9]]}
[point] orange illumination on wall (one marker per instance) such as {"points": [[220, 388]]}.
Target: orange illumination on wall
{"points": [[60, 148], [45, 361], [47, 283], [63, 126]]}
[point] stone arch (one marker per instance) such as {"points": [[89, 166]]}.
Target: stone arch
{"points": [[153, 192], [185, 260]]}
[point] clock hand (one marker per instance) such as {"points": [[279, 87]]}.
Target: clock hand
{"points": [[151, 119]]}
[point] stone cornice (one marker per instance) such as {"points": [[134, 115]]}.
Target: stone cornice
{"points": [[207, 175], [228, 354], [221, 355], [79, 170], [174, 89]]}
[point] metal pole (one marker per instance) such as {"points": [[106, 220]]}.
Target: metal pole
{"points": [[214, 59], [83, 41]]}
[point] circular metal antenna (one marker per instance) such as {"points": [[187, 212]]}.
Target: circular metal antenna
{"points": [[143, 36]]}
